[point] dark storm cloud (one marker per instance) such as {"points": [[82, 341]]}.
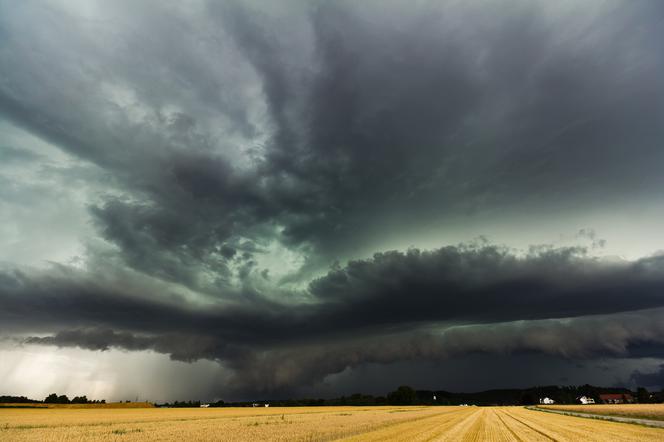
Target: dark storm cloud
{"points": [[489, 283], [452, 109], [221, 132], [395, 306], [181, 347], [290, 366], [655, 379], [374, 116], [9, 154], [462, 284]]}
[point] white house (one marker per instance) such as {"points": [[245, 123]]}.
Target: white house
{"points": [[205, 405], [547, 401], [585, 400]]}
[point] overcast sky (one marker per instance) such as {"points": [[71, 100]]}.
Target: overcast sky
{"points": [[239, 200]]}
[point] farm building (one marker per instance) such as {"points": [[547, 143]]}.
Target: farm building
{"points": [[546, 401], [616, 398], [585, 400]]}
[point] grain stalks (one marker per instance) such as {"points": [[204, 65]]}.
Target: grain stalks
{"points": [[495, 424]]}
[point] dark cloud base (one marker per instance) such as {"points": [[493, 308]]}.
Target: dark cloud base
{"points": [[396, 306]]}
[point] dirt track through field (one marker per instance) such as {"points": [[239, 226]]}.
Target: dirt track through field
{"points": [[313, 424], [608, 417], [643, 414]]}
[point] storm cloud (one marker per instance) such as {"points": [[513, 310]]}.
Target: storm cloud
{"points": [[298, 190], [393, 307]]}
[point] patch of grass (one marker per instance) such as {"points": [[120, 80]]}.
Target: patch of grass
{"points": [[19, 406], [26, 427], [124, 431]]}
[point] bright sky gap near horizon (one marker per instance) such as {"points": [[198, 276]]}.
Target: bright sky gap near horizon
{"points": [[242, 199]]}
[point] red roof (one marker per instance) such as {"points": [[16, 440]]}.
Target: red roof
{"points": [[614, 396]]}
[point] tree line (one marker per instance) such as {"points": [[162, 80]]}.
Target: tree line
{"points": [[63, 399], [405, 395], [52, 398]]}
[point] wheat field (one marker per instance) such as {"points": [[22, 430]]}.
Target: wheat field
{"points": [[86, 406], [311, 424]]}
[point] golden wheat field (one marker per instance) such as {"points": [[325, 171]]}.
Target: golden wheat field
{"points": [[311, 424], [86, 406], [643, 411]]}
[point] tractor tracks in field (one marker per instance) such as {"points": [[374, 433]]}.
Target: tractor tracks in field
{"points": [[512, 432], [536, 430], [376, 431]]}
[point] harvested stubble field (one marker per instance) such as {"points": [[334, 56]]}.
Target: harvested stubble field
{"points": [[87, 406], [311, 424], [642, 411]]}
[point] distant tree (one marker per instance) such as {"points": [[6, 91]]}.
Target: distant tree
{"points": [[16, 400], [51, 399], [403, 395], [642, 395], [55, 399], [528, 398], [80, 400]]}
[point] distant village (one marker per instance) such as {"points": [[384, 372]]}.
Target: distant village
{"points": [[604, 398]]}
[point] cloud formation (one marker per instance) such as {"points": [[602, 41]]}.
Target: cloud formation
{"points": [[395, 306], [231, 178]]}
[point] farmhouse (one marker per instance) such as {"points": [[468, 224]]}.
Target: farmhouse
{"points": [[585, 400], [546, 401], [616, 398]]}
